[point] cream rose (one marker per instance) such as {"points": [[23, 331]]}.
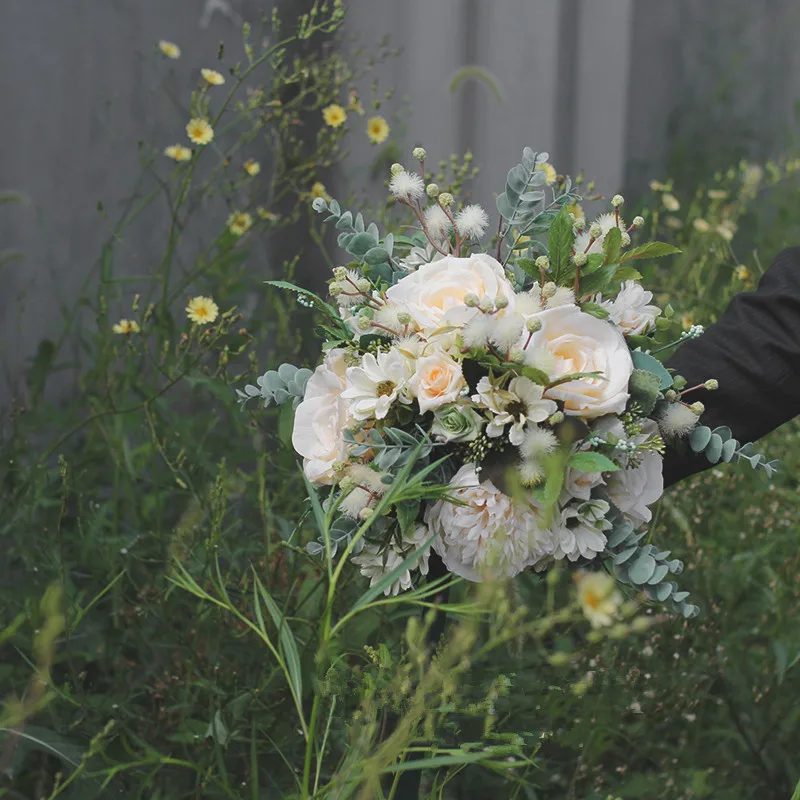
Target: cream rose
{"points": [[572, 341], [437, 380], [320, 419], [438, 289], [630, 310]]}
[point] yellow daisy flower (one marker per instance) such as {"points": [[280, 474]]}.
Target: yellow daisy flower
{"points": [[169, 49], [178, 152], [125, 327], [239, 223], [354, 104], [598, 597], [212, 77], [318, 190], [576, 209], [334, 115], [377, 130], [742, 273], [202, 310], [252, 167], [550, 173], [268, 216], [199, 131]]}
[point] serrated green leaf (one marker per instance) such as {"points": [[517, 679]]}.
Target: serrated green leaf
{"points": [[650, 250], [598, 280], [560, 240], [407, 514], [591, 461], [612, 245], [595, 309]]}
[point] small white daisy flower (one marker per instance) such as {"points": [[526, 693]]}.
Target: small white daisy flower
{"points": [[376, 384], [521, 403]]}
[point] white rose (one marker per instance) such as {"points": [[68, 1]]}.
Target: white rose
{"points": [[572, 341], [441, 286], [630, 310], [632, 490], [490, 535], [320, 419], [437, 380]]}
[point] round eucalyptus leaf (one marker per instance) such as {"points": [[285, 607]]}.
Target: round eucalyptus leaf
{"points": [[642, 569]]}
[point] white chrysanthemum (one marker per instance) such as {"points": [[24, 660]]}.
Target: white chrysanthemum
{"points": [[378, 382], [355, 502], [630, 310], [407, 186], [677, 421], [633, 489], [471, 221], [606, 223], [537, 442], [579, 532], [488, 535], [478, 331], [520, 403], [507, 331], [376, 561], [437, 222]]}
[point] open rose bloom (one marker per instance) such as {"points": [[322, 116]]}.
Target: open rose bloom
{"points": [[497, 404]]}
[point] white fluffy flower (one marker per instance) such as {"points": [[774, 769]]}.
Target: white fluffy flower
{"points": [[537, 442], [478, 331], [437, 380], [490, 535], [407, 186], [471, 221], [579, 532], [355, 502], [320, 419], [437, 222], [376, 561], [606, 223], [435, 292], [633, 489], [576, 342], [520, 403], [378, 382], [506, 331], [677, 421], [631, 310]]}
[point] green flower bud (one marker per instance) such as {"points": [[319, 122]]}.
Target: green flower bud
{"points": [[486, 305], [419, 153], [679, 382], [698, 408], [595, 231], [549, 289], [501, 301], [396, 169], [579, 224], [364, 285], [711, 384], [557, 418], [457, 423], [671, 395], [625, 239], [542, 262], [516, 354], [446, 199], [432, 190], [617, 200], [365, 514], [363, 323], [638, 222], [404, 318], [471, 300], [533, 324], [339, 273], [580, 259]]}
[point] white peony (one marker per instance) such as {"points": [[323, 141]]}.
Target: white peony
{"points": [[572, 341], [441, 286], [490, 535], [633, 489], [375, 561], [630, 309], [580, 529], [320, 419], [437, 381], [378, 382], [520, 403]]}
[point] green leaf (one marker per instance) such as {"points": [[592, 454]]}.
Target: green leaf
{"points": [[407, 514], [560, 240], [528, 266], [642, 569], [536, 375], [650, 250], [286, 638], [361, 243], [590, 461], [612, 245], [650, 364], [318, 301], [627, 274], [286, 424], [699, 438], [479, 73], [376, 255], [595, 309], [597, 280]]}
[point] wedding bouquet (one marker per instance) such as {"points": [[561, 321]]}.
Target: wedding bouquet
{"points": [[511, 390]]}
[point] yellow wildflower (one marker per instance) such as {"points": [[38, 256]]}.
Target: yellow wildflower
{"points": [[576, 209], [742, 273], [212, 77], [598, 597], [355, 104], [252, 167], [239, 223], [169, 49], [199, 131], [318, 190], [377, 130], [701, 226], [687, 320], [202, 310], [178, 152], [334, 115], [550, 173], [125, 327], [670, 202], [268, 216]]}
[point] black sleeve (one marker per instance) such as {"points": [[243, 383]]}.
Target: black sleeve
{"points": [[754, 353]]}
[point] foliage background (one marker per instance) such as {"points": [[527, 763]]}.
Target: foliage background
{"points": [[121, 683]]}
